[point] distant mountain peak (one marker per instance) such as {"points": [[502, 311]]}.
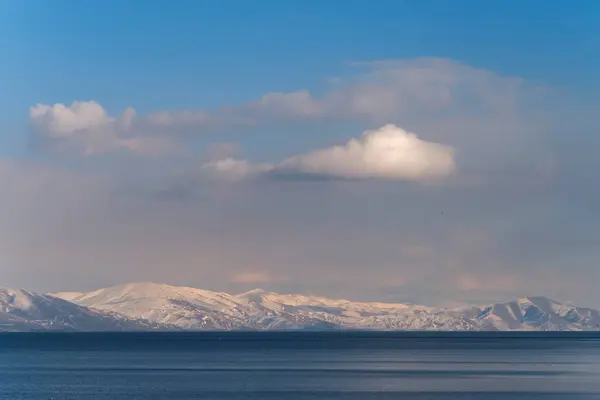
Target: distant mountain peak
{"points": [[21, 310], [256, 291], [15, 299]]}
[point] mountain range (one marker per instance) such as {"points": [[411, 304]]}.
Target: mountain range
{"points": [[152, 306]]}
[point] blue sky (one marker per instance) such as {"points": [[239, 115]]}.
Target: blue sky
{"points": [[501, 95], [154, 55]]}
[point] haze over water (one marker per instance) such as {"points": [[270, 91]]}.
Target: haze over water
{"points": [[294, 366]]}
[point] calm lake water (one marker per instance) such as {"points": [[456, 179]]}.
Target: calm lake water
{"points": [[295, 366]]}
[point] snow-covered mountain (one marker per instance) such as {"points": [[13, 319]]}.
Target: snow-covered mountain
{"points": [[195, 309], [537, 313], [21, 310]]}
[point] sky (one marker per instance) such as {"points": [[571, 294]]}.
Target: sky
{"points": [[425, 151]]}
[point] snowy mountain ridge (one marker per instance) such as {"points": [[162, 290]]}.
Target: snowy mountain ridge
{"points": [[21, 310], [196, 309]]}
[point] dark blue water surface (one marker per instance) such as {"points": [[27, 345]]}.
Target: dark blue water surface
{"points": [[295, 366]]}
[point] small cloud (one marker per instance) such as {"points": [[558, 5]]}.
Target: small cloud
{"points": [[59, 120], [85, 126]]}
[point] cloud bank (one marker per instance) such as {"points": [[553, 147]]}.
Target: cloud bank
{"points": [[452, 102], [505, 222]]}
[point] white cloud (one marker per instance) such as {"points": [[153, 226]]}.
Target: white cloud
{"points": [[385, 153], [87, 127], [62, 121], [385, 91]]}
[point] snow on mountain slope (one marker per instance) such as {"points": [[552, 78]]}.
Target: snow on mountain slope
{"points": [[181, 306], [25, 311], [538, 313], [196, 309], [360, 315], [190, 308]]}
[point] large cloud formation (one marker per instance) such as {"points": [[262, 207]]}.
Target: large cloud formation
{"points": [[385, 153], [460, 104]]}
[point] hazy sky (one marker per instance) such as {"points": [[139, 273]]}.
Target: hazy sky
{"points": [[424, 151]]}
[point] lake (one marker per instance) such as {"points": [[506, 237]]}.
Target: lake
{"points": [[299, 365]]}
